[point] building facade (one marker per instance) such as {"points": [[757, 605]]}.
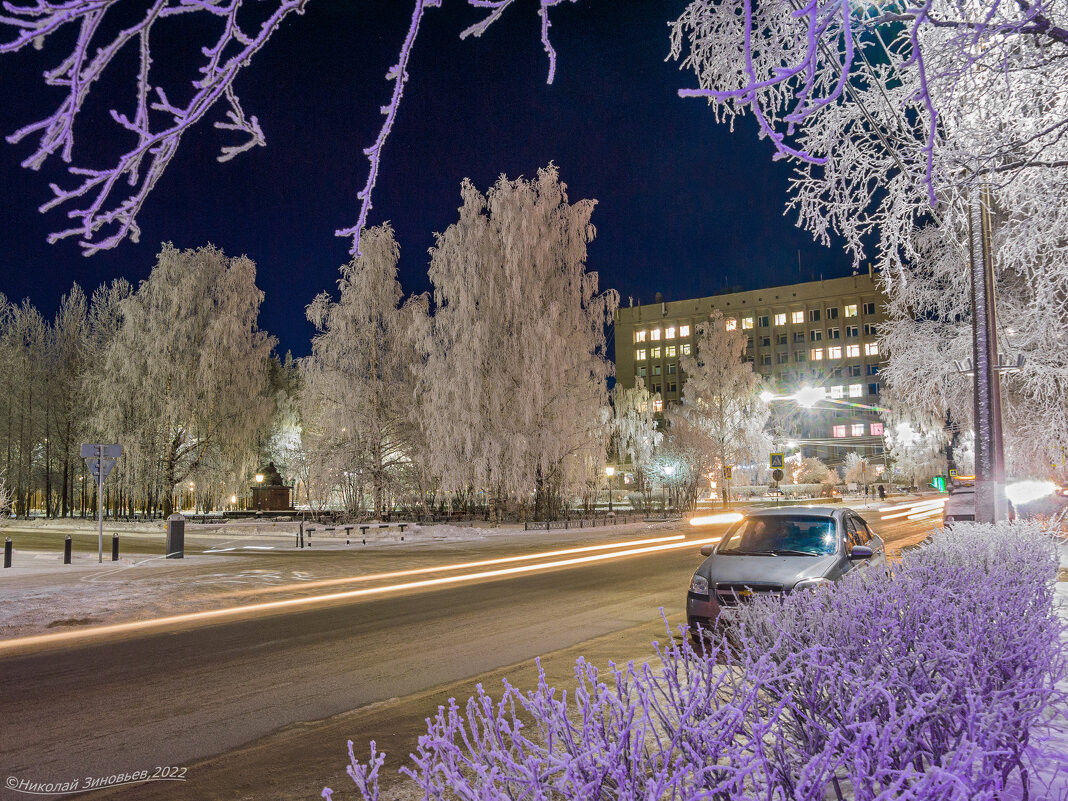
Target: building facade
{"points": [[820, 334]]}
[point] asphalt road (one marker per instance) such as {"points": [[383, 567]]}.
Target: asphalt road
{"points": [[137, 701]]}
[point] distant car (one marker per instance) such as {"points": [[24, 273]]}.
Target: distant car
{"points": [[775, 552], [775, 492]]}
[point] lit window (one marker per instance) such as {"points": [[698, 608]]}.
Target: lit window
{"points": [[669, 333], [655, 353], [871, 349], [685, 347], [837, 431], [856, 390], [838, 391], [780, 319], [639, 354], [669, 350], [876, 429], [684, 330], [747, 323], [835, 352], [852, 350], [731, 323], [658, 405], [655, 335], [797, 317], [639, 336], [851, 310], [857, 429], [817, 354]]}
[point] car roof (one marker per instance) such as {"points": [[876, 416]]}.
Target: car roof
{"points": [[793, 511]]}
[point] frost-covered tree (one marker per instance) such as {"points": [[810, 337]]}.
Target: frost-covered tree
{"points": [[811, 470], [23, 370], [916, 445], [635, 433], [721, 395], [189, 365], [68, 407], [859, 471], [96, 42], [904, 122], [515, 381], [360, 380]]}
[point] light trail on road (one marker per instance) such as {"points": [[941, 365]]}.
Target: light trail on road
{"points": [[22, 644], [416, 571], [906, 510]]}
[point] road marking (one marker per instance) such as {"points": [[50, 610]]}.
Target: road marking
{"points": [[216, 615]]}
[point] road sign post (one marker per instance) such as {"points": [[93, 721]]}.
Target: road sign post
{"points": [[101, 460]]}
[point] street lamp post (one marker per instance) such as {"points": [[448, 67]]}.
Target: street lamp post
{"points": [[259, 495]]}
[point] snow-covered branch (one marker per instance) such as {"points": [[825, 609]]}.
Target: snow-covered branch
{"points": [[156, 124]]}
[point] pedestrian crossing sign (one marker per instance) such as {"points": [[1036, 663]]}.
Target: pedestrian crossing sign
{"points": [[777, 461]]}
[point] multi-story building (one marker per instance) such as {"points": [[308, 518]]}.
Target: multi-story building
{"points": [[820, 334]]}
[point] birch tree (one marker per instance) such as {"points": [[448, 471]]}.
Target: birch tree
{"points": [[515, 380], [360, 379], [68, 405], [635, 434], [722, 393], [191, 364]]}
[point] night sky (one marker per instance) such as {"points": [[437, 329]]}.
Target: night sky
{"points": [[685, 206]]}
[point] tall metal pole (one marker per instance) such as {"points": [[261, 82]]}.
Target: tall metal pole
{"points": [[990, 502], [100, 501]]}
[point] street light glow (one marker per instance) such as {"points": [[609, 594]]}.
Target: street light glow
{"points": [[1023, 492], [809, 396]]}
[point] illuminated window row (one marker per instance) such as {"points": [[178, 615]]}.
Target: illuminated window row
{"points": [[857, 430], [668, 333], [685, 349], [835, 352]]}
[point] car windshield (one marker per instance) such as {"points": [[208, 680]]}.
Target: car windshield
{"points": [[781, 535]]}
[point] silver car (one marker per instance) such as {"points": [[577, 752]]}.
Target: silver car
{"points": [[777, 551]]}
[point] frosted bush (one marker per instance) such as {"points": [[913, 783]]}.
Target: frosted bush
{"points": [[926, 682]]}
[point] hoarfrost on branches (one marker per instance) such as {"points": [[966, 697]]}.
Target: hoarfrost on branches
{"points": [[360, 379], [894, 115], [515, 379], [152, 120]]}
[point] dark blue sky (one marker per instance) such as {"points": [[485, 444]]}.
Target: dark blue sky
{"points": [[685, 206]]}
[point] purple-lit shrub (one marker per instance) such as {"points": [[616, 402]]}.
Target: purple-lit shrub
{"points": [[925, 683]]}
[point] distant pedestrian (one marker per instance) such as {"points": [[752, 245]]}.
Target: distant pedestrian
{"points": [[865, 490], [882, 493]]}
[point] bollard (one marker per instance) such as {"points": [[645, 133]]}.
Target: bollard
{"points": [[66, 550], [7, 552], [114, 547], [175, 537]]}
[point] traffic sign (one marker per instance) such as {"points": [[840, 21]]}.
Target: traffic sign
{"points": [[94, 468], [777, 474], [952, 472], [94, 451], [727, 470], [777, 461]]}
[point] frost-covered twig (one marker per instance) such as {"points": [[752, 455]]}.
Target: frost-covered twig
{"points": [[157, 124]]}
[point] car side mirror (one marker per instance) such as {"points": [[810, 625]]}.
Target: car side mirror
{"points": [[706, 550], [860, 552]]}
